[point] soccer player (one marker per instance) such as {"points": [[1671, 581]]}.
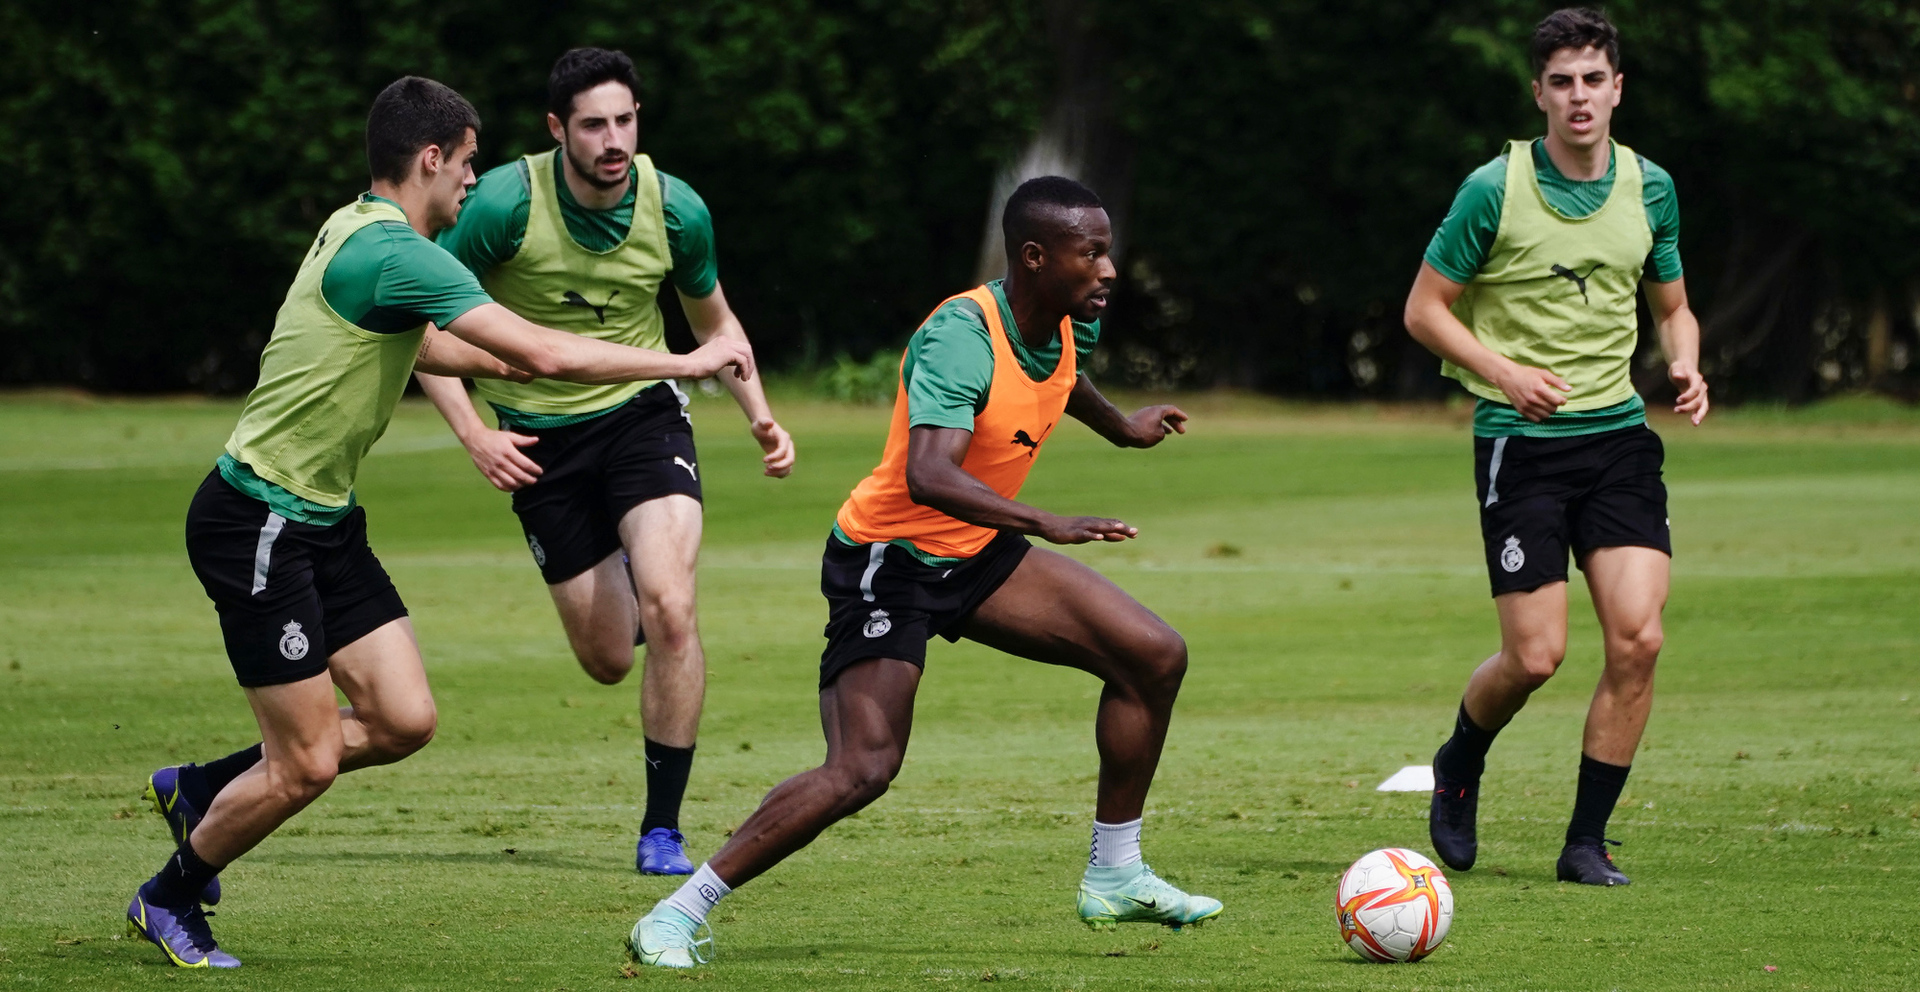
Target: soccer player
{"points": [[1528, 293], [604, 477], [934, 543], [274, 533]]}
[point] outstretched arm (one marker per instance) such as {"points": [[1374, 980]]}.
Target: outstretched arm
{"points": [[1144, 428], [711, 318], [1536, 393], [1680, 339], [495, 453], [551, 354], [935, 479], [443, 354]]}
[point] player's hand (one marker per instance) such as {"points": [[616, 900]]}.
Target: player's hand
{"points": [[778, 444], [498, 456], [1693, 391], [718, 353], [1084, 530], [1536, 393], [1149, 425]]}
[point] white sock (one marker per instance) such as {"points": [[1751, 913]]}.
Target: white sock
{"points": [[1115, 845], [699, 895]]}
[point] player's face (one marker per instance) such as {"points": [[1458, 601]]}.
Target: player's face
{"points": [[1577, 91], [601, 134], [447, 187], [1079, 269]]}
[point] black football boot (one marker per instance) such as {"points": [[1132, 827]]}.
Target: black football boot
{"points": [[1588, 863], [1450, 820]]}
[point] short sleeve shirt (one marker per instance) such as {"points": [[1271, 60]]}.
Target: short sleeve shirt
{"points": [[387, 278], [948, 368]]}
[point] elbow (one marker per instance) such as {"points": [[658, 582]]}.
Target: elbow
{"points": [[542, 363], [919, 488]]}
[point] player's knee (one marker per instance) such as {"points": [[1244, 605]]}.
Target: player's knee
{"points": [[1165, 661], [1536, 661], [1634, 653], [867, 777], [299, 778], [668, 619], [400, 736], [606, 663]]}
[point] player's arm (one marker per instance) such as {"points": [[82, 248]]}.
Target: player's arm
{"points": [[551, 354], [1536, 393], [495, 453], [1141, 429], [1679, 333], [711, 318], [445, 355], [935, 479]]}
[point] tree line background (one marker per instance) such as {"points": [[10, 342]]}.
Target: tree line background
{"points": [[1276, 166]]}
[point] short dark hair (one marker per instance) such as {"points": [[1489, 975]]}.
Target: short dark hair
{"points": [[580, 70], [1028, 207], [410, 114], [1575, 28]]}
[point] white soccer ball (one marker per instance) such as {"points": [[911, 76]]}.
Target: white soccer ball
{"points": [[1393, 905]]}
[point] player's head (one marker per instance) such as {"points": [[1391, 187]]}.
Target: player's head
{"points": [[1576, 74], [593, 111], [1059, 242], [420, 132]]}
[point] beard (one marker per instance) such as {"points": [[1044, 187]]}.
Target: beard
{"points": [[587, 169]]}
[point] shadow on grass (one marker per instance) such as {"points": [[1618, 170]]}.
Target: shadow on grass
{"points": [[515, 857]]}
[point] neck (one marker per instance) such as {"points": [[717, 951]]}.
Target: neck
{"points": [[587, 194], [1034, 322], [412, 198], [1580, 163]]}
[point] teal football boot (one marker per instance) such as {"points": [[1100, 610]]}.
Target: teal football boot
{"points": [[1134, 894], [668, 938]]}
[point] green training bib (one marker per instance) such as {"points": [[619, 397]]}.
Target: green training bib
{"points": [[1557, 292], [609, 295], [327, 388]]}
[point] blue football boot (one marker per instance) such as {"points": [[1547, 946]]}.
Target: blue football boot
{"points": [[164, 795], [182, 933], [660, 853]]}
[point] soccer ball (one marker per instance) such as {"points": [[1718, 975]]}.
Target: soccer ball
{"points": [[1393, 905]]}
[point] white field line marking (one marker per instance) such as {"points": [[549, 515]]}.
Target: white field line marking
{"points": [[1412, 778]]}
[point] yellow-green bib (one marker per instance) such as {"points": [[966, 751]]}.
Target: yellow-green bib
{"points": [[554, 282], [327, 388], [1558, 292]]}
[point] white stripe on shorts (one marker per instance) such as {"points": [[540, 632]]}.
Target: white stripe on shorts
{"points": [[1493, 469], [263, 552], [876, 553]]}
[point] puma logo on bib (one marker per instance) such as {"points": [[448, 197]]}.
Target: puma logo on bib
{"points": [[1578, 279], [574, 299]]}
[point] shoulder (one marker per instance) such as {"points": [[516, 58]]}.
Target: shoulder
{"points": [[957, 321], [500, 194], [1489, 181], [679, 200], [1653, 179]]}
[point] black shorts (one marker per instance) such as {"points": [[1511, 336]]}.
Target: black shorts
{"points": [[882, 602], [1543, 496], [289, 594], [593, 472]]}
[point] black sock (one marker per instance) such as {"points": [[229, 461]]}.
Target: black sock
{"points": [[1600, 785], [180, 880], [200, 783], [667, 771], [1464, 756]]}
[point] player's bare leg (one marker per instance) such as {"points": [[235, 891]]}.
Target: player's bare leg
{"points": [[652, 591], [1533, 643], [1629, 587]]}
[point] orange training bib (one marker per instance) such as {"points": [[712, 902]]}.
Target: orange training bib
{"points": [[1007, 435]]}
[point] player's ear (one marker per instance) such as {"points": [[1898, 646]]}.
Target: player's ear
{"points": [[1033, 255], [430, 160], [557, 128]]}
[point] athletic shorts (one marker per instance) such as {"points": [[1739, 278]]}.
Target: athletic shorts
{"points": [[1543, 496], [593, 472], [289, 594], [882, 602]]}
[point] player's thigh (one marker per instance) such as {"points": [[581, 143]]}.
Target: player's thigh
{"points": [[662, 538], [1533, 627], [867, 713], [385, 682], [1055, 610], [1629, 586], [597, 604], [300, 735]]}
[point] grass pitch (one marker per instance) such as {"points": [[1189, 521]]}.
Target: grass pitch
{"points": [[1323, 564]]}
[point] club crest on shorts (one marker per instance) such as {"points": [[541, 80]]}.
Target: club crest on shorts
{"points": [[877, 624], [293, 643], [539, 553], [1511, 557]]}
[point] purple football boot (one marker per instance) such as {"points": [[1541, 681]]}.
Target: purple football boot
{"points": [[181, 932], [660, 853], [164, 795]]}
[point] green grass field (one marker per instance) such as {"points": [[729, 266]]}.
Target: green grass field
{"points": [[1322, 562]]}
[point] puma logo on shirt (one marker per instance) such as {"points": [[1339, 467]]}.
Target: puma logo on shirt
{"points": [[1578, 280], [574, 299], [1021, 437]]}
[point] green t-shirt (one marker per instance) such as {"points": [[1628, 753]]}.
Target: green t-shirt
{"points": [[386, 279], [494, 223], [948, 369], [1465, 238]]}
